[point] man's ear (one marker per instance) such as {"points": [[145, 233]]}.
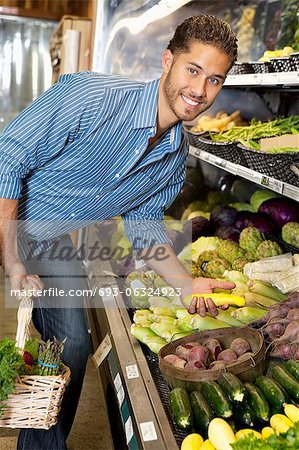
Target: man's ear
{"points": [[167, 58]]}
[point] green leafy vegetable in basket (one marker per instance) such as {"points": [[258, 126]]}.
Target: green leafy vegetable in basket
{"points": [[11, 365], [249, 135]]}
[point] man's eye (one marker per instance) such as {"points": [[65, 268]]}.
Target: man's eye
{"points": [[214, 81], [192, 71]]}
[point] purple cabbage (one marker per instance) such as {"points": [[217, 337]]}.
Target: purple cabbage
{"points": [[280, 211], [262, 222], [223, 216], [229, 233], [196, 227]]}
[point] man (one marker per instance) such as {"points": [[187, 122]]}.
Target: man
{"points": [[92, 147]]}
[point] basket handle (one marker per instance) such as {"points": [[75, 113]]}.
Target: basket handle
{"points": [[24, 318], [295, 168]]}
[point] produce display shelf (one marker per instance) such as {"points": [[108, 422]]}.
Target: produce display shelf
{"points": [[281, 187], [287, 79]]}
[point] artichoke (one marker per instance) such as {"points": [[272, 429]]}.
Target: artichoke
{"points": [[290, 233], [196, 271], [268, 248], [230, 251], [216, 268], [206, 256], [239, 263], [250, 239]]}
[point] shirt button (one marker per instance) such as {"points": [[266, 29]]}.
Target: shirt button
{"points": [[152, 130], [73, 214], [136, 152], [117, 175], [98, 196]]}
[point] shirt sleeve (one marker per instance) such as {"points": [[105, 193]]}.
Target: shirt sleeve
{"points": [[144, 225], [40, 132]]}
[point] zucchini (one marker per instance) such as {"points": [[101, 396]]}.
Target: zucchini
{"points": [[272, 392], [181, 408], [283, 377], [293, 368], [244, 415], [232, 386], [257, 402], [202, 412], [216, 398]]}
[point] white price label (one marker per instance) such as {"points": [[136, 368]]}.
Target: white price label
{"points": [[129, 429], [220, 162], [278, 186], [120, 396], [132, 371], [148, 431], [102, 351], [117, 382]]}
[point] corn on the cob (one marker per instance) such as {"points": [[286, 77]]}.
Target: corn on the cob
{"points": [[255, 299], [163, 312], [207, 323], [226, 317], [249, 314], [258, 287], [288, 281], [272, 264]]}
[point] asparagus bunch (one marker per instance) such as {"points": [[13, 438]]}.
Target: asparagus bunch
{"points": [[49, 358]]}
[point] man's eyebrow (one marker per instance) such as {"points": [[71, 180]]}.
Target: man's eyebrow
{"points": [[199, 67]]}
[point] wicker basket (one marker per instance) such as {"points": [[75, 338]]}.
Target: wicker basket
{"points": [[275, 165], [36, 401], [226, 150]]}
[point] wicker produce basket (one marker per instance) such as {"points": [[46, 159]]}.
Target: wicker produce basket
{"points": [[247, 370], [36, 401]]}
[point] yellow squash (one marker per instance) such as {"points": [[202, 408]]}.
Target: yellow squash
{"points": [[221, 434], [218, 299], [241, 434], [280, 423], [192, 442], [292, 412], [267, 432]]}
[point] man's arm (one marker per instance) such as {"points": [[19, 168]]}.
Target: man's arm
{"points": [[163, 260], [11, 262]]}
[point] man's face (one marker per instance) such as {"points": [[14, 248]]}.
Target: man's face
{"points": [[193, 79]]}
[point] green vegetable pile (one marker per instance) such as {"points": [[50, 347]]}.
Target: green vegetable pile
{"points": [[288, 440], [249, 135], [11, 365]]}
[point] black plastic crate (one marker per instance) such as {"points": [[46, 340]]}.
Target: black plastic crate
{"points": [[226, 150], [275, 165]]}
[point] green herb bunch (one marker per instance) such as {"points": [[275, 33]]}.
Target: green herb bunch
{"points": [[11, 366], [283, 441]]}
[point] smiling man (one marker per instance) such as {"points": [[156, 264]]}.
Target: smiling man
{"points": [[92, 147]]}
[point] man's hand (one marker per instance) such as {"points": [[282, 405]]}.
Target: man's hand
{"points": [[20, 281], [203, 286]]}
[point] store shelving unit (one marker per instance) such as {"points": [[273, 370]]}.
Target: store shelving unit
{"points": [[281, 187], [275, 79]]}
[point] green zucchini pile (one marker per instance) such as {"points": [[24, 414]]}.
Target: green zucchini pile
{"points": [[249, 405]]}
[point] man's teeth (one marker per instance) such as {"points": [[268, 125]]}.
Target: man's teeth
{"points": [[189, 101]]}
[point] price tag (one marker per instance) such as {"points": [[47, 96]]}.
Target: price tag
{"points": [[197, 153], [129, 429], [220, 162], [278, 186], [120, 396], [264, 181], [148, 431], [102, 351], [132, 371]]}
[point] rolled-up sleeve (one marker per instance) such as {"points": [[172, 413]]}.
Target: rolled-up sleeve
{"points": [[39, 133], [144, 225]]}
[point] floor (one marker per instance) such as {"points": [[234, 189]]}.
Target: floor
{"points": [[91, 429]]}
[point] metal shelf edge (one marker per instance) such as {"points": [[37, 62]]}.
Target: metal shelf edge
{"points": [[281, 187]]}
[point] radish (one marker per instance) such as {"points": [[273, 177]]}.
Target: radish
{"points": [[227, 355], [198, 353], [183, 350], [175, 361], [194, 365], [240, 346], [214, 347]]}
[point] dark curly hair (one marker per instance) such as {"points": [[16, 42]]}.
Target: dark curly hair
{"points": [[208, 30]]}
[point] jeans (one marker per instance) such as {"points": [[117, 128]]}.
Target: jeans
{"points": [[61, 316]]}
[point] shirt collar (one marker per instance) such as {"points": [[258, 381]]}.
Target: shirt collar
{"points": [[146, 111]]}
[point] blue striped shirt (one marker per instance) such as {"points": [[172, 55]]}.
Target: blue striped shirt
{"points": [[75, 156]]}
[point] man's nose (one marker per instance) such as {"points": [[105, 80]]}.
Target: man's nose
{"points": [[198, 88]]}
